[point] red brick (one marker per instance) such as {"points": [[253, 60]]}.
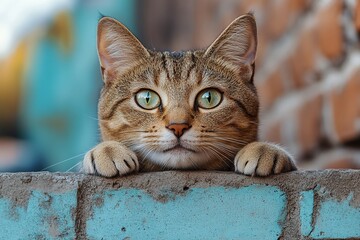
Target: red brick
{"points": [[296, 71], [270, 89], [282, 14], [278, 18], [272, 133], [357, 16], [302, 60], [228, 11], [329, 32], [263, 44], [208, 22], [309, 124], [257, 6], [335, 158], [306, 128], [342, 163], [299, 5], [345, 105], [306, 50]]}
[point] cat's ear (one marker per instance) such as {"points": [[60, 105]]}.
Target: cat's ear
{"points": [[118, 49], [237, 44]]}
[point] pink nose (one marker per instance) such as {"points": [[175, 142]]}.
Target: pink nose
{"points": [[178, 128]]}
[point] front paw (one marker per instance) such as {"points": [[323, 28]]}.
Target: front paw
{"points": [[110, 159], [263, 159]]}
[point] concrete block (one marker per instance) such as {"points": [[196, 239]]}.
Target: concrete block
{"points": [[35, 211], [306, 211], [252, 212], [180, 205], [324, 217], [46, 216]]}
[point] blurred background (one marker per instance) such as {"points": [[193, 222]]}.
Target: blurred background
{"points": [[308, 73]]}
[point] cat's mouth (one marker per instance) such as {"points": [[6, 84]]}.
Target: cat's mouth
{"points": [[179, 147]]}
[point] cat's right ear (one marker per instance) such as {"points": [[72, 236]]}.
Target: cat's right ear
{"points": [[118, 49], [237, 44]]}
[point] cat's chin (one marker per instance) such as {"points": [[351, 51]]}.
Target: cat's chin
{"points": [[178, 158], [178, 150]]}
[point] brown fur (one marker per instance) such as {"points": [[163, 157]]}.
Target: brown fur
{"points": [[216, 139]]}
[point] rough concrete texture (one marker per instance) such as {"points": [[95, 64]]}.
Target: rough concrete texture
{"points": [[180, 205]]}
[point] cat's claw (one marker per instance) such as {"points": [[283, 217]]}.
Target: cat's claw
{"points": [[110, 159], [263, 159]]}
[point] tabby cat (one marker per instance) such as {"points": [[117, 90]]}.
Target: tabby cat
{"points": [[193, 110]]}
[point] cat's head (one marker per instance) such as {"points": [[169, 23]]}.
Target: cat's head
{"points": [[179, 110]]}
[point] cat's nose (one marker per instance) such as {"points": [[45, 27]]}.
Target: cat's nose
{"points": [[178, 128]]}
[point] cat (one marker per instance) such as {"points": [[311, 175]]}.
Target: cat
{"points": [[191, 110]]}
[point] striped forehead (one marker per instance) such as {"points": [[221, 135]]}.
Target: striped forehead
{"points": [[177, 68], [176, 75]]}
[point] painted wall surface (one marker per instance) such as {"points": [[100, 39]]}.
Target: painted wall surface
{"points": [[333, 218], [253, 212], [180, 205], [45, 216]]}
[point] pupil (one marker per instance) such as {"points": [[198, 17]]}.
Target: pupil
{"points": [[208, 97], [147, 98]]}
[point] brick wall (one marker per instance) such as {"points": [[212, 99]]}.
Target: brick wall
{"points": [[308, 67], [181, 205]]}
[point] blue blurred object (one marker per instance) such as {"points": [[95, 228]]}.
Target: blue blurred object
{"points": [[59, 105]]}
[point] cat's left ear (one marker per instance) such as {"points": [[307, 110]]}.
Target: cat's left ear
{"points": [[118, 49], [237, 44]]}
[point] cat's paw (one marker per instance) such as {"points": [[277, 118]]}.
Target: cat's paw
{"points": [[263, 159], [110, 159]]}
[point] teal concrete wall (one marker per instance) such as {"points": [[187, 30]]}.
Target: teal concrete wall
{"points": [[333, 218], [180, 205], [201, 213], [45, 216]]}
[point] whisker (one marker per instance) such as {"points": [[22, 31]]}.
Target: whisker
{"points": [[220, 157], [193, 163], [138, 131], [73, 166], [217, 163], [231, 138], [145, 150], [230, 143], [53, 165], [205, 151], [219, 154], [224, 152], [227, 149], [149, 151], [93, 118]]}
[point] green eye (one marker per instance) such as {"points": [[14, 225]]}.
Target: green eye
{"points": [[209, 98], [147, 99]]}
